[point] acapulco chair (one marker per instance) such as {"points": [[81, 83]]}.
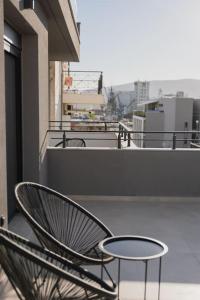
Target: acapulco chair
{"points": [[38, 274], [61, 225]]}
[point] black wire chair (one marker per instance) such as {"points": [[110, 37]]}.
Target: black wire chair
{"points": [[61, 225], [72, 142], [38, 274]]}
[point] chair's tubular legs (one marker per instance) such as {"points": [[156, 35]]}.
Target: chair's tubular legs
{"points": [[86, 294]]}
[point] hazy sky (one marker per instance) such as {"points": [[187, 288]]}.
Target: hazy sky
{"points": [[140, 39]]}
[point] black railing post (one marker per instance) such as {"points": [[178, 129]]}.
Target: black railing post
{"points": [[121, 130], [64, 140], [129, 140], [125, 135], [100, 83], [105, 126], [174, 141], [119, 141]]}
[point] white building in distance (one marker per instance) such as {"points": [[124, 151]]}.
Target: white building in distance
{"points": [[142, 91]]}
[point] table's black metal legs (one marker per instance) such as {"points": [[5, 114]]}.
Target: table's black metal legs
{"points": [[103, 268], [118, 276], [159, 279], [145, 281]]}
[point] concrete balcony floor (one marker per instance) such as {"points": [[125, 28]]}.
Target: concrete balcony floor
{"points": [[176, 223]]}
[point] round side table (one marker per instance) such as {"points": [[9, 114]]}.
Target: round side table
{"points": [[135, 248]]}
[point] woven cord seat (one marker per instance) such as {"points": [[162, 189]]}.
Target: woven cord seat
{"points": [[61, 225], [38, 274]]}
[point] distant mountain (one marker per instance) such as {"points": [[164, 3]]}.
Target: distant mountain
{"points": [[191, 87], [127, 87]]}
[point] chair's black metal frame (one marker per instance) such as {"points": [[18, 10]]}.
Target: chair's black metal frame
{"points": [[66, 142], [36, 273], [62, 225]]}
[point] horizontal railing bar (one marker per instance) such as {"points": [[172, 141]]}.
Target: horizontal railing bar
{"points": [[146, 140], [84, 121], [65, 126], [133, 132], [86, 80], [71, 71], [89, 139], [132, 139]]}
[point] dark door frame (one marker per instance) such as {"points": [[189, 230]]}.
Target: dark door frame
{"points": [[14, 51]]}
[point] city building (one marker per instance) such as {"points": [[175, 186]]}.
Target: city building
{"points": [[180, 94], [141, 91], [165, 115], [148, 117], [178, 116]]}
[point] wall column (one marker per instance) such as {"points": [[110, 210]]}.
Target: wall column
{"points": [[3, 171]]}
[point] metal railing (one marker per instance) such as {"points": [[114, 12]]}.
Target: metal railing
{"points": [[108, 126], [123, 134], [83, 81]]}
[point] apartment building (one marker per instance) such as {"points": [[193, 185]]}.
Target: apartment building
{"points": [[141, 91], [167, 114], [178, 116], [32, 33]]}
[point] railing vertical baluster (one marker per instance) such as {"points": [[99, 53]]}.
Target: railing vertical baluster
{"points": [[129, 140], [64, 140], [119, 141], [122, 131], [125, 135], [105, 126], [174, 141]]}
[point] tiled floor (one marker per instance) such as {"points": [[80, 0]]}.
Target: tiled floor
{"points": [[175, 223]]}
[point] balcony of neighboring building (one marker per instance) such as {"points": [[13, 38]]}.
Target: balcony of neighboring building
{"points": [[82, 94]]}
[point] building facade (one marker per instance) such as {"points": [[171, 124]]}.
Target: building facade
{"points": [[141, 91], [166, 115], [32, 34], [178, 116]]}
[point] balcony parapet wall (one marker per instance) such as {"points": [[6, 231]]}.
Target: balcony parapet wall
{"points": [[112, 172]]}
